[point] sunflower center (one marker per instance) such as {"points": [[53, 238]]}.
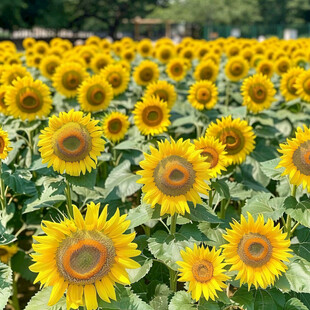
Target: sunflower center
{"points": [[174, 175], [165, 54], [50, 67], [162, 94], [3, 251], [72, 142], [236, 69], [291, 85], [2, 145], [71, 80], [177, 69], [265, 69], [114, 79], [95, 95], [203, 271], [101, 63], [301, 158], [146, 74], [115, 126], [203, 95], [306, 86], [13, 76], [254, 249], [206, 73], [2, 102], [211, 156], [85, 257], [258, 93], [283, 66], [188, 55], [29, 100], [145, 49], [233, 139], [152, 115]]}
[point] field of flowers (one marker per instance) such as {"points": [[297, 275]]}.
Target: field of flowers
{"points": [[154, 175]]}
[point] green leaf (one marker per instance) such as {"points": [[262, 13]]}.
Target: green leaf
{"points": [[294, 304], [160, 300], [5, 284], [48, 198], [271, 299], [40, 300], [16, 147], [301, 244], [269, 169], [243, 298], [214, 235], [181, 300], [20, 264], [140, 215], [202, 213], [208, 305], [5, 238], [188, 231], [136, 274], [238, 192], [222, 188], [88, 180], [299, 211], [123, 179]]}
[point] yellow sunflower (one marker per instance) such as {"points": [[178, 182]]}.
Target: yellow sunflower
{"points": [[237, 135], [84, 257], [7, 251], [71, 143], [3, 106], [28, 99], [258, 92], [165, 53], [129, 54], [256, 250], [100, 61], [94, 94], [163, 90], [117, 76], [206, 70], [296, 158], [176, 69], [236, 68], [145, 47], [40, 47], [282, 65], [115, 126], [288, 80], [4, 144], [204, 270], [146, 72], [28, 42], [173, 175], [303, 85], [203, 95], [68, 77], [48, 65], [151, 115], [265, 67], [11, 73], [188, 53], [214, 153]]}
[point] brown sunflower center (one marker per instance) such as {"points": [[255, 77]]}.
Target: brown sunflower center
{"points": [[115, 126], [37, 60], [283, 66], [165, 54], [177, 69], [71, 80], [2, 145], [29, 100], [291, 85], [85, 257], [162, 94], [174, 175], [101, 63], [188, 55], [152, 115], [306, 86], [203, 95], [254, 249], [301, 158], [211, 156], [95, 95], [265, 69], [129, 56], [41, 50], [145, 49], [146, 74], [72, 142], [51, 67], [115, 79], [2, 251], [236, 68], [206, 73], [203, 271], [258, 93], [233, 139], [2, 102]]}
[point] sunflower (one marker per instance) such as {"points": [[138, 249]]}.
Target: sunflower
{"points": [[48, 65], [95, 94], [295, 158], [115, 126], [173, 175], [303, 85], [11, 73], [258, 93], [72, 142], [84, 257], [100, 61], [4, 144], [145, 47], [176, 69], [256, 250], [87, 53], [163, 90], [237, 136], [40, 47], [165, 53], [28, 42], [282, 65], [28, 99], [203, 94], [129, 54], [236, 68], [265, 67], [68, 77], [151, 115], [206, 70], [117, 76], [288, 80], [146, 72], [7, 251], [35, 60], [214, 153], [204, 270], [188, 53], [3, 106]]}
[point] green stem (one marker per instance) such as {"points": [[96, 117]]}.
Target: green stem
{"points": [[3, 194], [15, 292], [147, 230], [289, 219], [211, 197], [294, 190], [69, 199], [173, 224], [224, 205], [173, 273], [294, 228]]}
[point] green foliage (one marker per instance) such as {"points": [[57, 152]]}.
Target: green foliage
{"points": [[5, 284]]}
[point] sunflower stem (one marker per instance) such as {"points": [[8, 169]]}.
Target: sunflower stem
{"points": [[2, 186], [294, 228], [211, 197], [294, 190], [173, 224], [224, 205], [173, 273], [15, 292], [69, 199]]}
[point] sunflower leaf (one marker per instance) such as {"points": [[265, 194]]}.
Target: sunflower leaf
{"points": [[140, 215], [5, 284], [181, 300], [136, 274], [294, 304], [160, 300], [299, 211], [271, 299], [269, 169]]}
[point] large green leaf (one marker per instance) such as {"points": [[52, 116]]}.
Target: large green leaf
{"points": [[299, 211], [181, 300], [5, 284], [244, 298], [269, 168], [160, 300], [85, 180], [138, 273], [140, 215], [294, 304], [269, 299], [202, 213]]}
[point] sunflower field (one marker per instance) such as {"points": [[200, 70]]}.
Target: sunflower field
{"points": [[155, 175]]}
